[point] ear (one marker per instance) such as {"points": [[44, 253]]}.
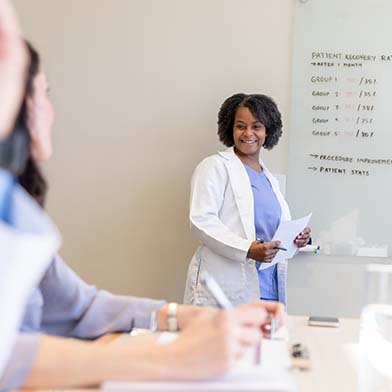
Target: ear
{"points": [[29, 103]]}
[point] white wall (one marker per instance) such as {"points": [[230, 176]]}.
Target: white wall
{"points": [[137, 86]]}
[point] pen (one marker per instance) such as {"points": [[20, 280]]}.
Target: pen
{"points": [[273, 326], [273, 321], [223, 302], [261, 241]]}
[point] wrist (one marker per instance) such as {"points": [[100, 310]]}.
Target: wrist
{"points": [[161, 318], [167, 317], [252, 250]]}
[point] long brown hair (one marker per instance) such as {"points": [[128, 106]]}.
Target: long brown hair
{"points": [[32, 178]]}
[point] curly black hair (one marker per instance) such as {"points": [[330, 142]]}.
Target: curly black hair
{"points": [[261, 106]]}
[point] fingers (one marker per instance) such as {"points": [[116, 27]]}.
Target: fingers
{"points": [[251, 314], [275, 310], [272, 309], [260, 315], [270, 246], [268, 259], [269, 251], [274, 244], [249, 336], [239, 328], [269, 255], [264, 252], [303, 238], [305, 233], [301, 243], [246, 334]]}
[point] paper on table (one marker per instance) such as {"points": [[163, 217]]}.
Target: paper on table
{"points": [[286, 233], [273, 374], [26, 250]]}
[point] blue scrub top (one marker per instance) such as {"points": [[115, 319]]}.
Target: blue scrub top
{"points": [[267, 214], [7, 182]]}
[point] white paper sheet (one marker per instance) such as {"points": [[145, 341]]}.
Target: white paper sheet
{"points": [[286, 233], [273, 374], [26, 251]]}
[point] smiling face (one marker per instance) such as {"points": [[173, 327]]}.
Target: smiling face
{"points": [[249, 135]]}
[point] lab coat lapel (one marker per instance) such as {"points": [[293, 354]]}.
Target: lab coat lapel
{"points": [[242, 191]]}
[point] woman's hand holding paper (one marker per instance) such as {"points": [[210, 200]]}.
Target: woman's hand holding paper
{"points": [[303, 238]]}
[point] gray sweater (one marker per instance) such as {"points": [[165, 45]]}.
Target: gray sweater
{"points": [[64, 305]]}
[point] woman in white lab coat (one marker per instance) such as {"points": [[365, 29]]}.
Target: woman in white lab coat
{"points": [[236, 207]]}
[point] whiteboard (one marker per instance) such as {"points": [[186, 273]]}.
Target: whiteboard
{"points": [[340, 149]]}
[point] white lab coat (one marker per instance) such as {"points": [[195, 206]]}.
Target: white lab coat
{"points": [[222, 217]]}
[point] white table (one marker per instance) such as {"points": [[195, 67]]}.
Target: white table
{"points": [[331, 370]]}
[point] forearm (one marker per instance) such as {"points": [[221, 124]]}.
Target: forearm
{"points": [[61, 362], [76, 309], [252, 252], [68, 363], [20, 361], [206, 348]]}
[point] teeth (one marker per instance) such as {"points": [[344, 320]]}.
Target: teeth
{"points": [[249, 141]]}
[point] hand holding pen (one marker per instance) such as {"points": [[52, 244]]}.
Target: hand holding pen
{"points": [[266, 316], [264, 251], [276, 317]]}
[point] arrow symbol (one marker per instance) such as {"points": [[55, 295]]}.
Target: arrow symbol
{"points": [[314, 155], [312, 168]]}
